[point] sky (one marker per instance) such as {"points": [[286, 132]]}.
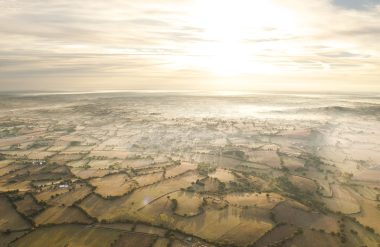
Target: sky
{"points": [[313, 45]]}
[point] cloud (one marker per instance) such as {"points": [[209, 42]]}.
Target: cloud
{"points": [[186, 43], [357, 4], [344, 54]]}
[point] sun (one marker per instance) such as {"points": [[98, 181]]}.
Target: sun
{"points": [[228, 27]]}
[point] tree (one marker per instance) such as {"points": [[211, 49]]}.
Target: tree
{"points": [[174, 204]]}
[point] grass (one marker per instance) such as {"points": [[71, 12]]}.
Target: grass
{"points": [[68, 235], [62, 215], [113, 185], [342, 201], [262, 200], [10, 218], [28, 206]]}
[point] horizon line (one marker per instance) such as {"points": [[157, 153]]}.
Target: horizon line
{"points": [[193, 92]]}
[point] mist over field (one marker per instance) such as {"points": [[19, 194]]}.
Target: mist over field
{"points": [[189, 169], [190, 123]]}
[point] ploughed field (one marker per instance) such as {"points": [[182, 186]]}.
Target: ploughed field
{"points": [[133, 169]]}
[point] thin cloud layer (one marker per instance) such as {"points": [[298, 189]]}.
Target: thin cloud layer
{"points": [[190, 44]]}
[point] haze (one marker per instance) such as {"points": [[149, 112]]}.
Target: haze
{"points": [[319, 45], [178, 123]]}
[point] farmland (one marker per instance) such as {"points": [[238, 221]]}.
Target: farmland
{"points": [[147, 170]]}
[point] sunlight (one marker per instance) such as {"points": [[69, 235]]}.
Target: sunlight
{"points": [[226, 50]]}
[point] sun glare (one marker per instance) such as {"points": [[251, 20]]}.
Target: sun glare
{"points": [[230, 30]]}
